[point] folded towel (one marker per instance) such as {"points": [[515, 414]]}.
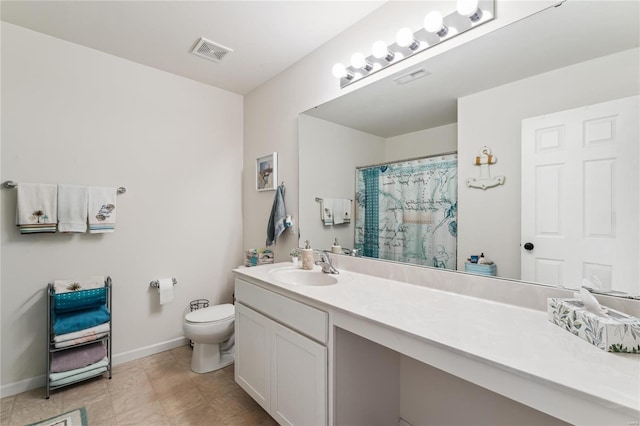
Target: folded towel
{"points": [[102, 210], [69, 322], [326, 211], [78, 377], [84, 339], [77, 357], [65, 286], [275, 227], [72, 208], [37, 208], [55, 377], [341, 211], [85, 332]]}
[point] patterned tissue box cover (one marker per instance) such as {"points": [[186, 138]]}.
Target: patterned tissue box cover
{"points": [[617, 332]]}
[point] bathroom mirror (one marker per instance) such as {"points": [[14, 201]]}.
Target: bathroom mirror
{"points": [[571, 56]]}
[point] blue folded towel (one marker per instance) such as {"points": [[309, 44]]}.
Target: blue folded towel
{"points": [[275, 227], [69, 322]]}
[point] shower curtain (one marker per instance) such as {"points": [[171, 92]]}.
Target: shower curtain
{"points": [[406, 211]]}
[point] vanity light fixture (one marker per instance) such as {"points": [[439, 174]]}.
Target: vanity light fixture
{"points": [[405, 38], [436, 29], [341, 72], [470, 9], [380, 51], [360, 62], [434, 23]]}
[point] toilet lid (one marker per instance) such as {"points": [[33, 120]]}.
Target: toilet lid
{"points": [[212, 313]]}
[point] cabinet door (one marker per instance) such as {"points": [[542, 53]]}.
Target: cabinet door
{"points": [[298, 379], [252, 354]]}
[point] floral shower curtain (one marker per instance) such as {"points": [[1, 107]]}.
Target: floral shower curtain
{"points": [[407, 211]]}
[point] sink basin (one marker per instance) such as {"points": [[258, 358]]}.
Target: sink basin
{"points": [[295, 276]]}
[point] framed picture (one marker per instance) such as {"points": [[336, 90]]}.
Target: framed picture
{"points": [[267, 172]]}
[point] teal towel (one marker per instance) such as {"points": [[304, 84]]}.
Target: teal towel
{"points": [[69, 322]]}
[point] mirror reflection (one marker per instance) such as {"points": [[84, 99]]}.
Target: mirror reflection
{"points": [[525, 88]]}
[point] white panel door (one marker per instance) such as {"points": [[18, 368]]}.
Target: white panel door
{"points": [[580, 201], [253, 354], [298, 379]]}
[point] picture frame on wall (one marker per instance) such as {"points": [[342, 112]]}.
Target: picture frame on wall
{"points": [[267, 172]]}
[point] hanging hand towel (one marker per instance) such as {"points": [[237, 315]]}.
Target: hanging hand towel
{"points": [[72, 208], [341, 211], [102, 210], [37, 208], [275, 227], [326, 211]]}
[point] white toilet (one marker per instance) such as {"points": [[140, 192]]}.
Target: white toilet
{"points": [[211, 331]]}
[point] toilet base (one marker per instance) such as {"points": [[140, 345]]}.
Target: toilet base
{"points": [[206, 357]]}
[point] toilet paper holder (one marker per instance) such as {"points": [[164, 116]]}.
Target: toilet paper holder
{"points": [[156, 283]]}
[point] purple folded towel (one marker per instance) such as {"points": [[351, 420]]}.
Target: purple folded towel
{"points": [[77, 357]]}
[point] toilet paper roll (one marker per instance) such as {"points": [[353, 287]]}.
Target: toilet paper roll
{"points": [[165, 288]]}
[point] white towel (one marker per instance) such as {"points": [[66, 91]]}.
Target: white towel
{"points": [[326, 211], [102, 210], [341, 211], [37, 208], [65, 286], [72, 208], [83, 335]]}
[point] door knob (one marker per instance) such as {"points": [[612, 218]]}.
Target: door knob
{"points": [[528, 246]]}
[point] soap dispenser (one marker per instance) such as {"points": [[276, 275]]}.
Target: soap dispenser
{"points": [[307, 256], [335, 248]]}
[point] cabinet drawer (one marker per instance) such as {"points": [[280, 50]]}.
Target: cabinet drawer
{"points": [[303, 318]]}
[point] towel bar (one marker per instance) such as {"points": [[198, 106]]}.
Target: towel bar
{"points": [[9, 184], [156, 283]]}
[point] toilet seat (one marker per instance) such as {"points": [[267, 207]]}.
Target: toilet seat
{"points": [[211, 314]]}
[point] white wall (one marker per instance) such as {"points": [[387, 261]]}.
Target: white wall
{"points": [[76, 115], [493, 118], [329, 156], [422, 143]]}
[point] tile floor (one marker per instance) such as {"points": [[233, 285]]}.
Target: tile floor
{"points": [[156, 390]]}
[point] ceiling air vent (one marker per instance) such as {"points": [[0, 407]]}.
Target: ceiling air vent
{"points": [[210, 50], [411, 76]]}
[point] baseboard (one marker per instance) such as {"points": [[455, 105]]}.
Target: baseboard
{"points": [[23, 386], [149, 350], [40, 381]]}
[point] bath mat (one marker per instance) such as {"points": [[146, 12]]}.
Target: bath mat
{"points": [[72, 418]]}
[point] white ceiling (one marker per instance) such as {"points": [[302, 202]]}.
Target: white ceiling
{"points": [[266, 36]]}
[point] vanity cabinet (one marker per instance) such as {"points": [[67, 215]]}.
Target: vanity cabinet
{"points": [[283, 368]]}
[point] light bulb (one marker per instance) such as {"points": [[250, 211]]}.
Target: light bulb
{"points": [[358, 60], [469, 8], [379, 49], [433, 22], [339, 70], [404, 38]]}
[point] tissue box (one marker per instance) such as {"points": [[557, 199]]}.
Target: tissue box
{"points": [[616, 332]]}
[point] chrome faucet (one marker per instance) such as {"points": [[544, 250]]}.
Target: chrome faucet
{"points": [[327, 266]]}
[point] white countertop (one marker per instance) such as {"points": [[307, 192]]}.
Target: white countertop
{"points": [[519, 340]]}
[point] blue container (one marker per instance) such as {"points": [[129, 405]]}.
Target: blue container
{"points": [[480, 269]]}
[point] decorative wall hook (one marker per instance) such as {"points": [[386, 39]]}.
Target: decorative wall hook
{"points": [[485, 160]]}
